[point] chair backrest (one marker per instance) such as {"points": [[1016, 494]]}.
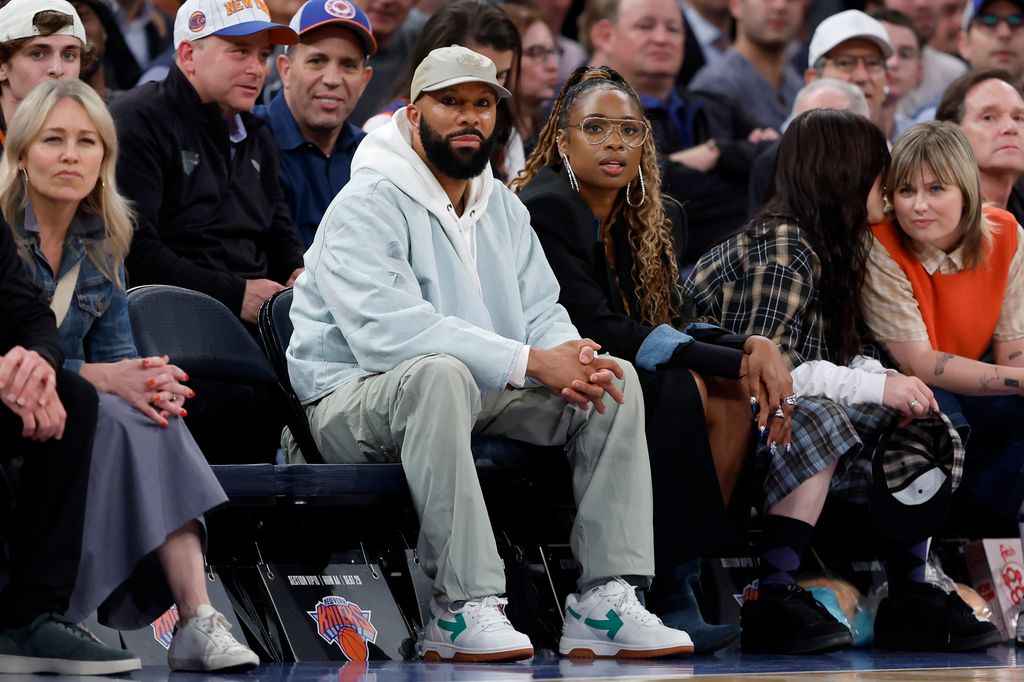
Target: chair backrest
{"points": [[276, 330], [200, 334]]}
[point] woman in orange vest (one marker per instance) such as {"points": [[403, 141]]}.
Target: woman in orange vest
{"points": [[944, 286]]}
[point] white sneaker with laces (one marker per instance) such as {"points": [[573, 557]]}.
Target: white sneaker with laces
{"points": [[477, 631], [205, 643], [610, 622]]}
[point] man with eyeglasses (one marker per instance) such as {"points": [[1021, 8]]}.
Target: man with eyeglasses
{"points": [[905, 67], [993, 36], [851, 46]]}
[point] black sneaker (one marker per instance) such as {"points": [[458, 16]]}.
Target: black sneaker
{"points": [[927, 618], [787, 619], [51, 644]]}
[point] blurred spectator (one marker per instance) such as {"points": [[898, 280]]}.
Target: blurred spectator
{"points": [[822, 93], [755, 73], [706, 146], [993, 36], [572, 53], [324, 75], [988, 107], [146, 29], [114, 69], [905, 68], [947, 28], [396, 31], [708, 28], [852, 47], [39, 40], [538, 71], [282, 11], [202, 173], [940, 69]]}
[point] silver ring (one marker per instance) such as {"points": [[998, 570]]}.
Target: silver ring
{"points": [[174, 398], [914, 404], [779, 413], [790, 399]]}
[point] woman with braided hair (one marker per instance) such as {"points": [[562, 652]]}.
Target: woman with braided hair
{"points": [[593, 189]]}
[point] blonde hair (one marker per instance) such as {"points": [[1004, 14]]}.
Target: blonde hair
{"points": [[650, 230], [104, 200], [944, 149]]}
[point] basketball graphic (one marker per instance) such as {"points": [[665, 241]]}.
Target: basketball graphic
{"points": [[353, 645], [339, 621]]}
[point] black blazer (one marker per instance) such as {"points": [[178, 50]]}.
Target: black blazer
{"points": [[594, 294]]}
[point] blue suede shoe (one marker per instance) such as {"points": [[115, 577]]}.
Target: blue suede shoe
{"points": [[677, 607]]}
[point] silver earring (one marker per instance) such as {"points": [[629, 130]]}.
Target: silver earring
{"points": [[24, 176], [572, 176], [643, 192]]}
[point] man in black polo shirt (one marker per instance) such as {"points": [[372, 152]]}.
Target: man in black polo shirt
{"points": [[202, 173]]}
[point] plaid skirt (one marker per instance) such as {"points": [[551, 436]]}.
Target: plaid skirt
{"points": [[825, 432]]}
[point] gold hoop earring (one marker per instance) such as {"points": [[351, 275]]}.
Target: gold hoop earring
{"points": [[643, 191]]}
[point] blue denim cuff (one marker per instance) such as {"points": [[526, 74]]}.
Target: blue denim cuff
{"points": [[658, 347]]}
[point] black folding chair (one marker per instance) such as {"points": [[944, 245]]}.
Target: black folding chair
{"points": [[276, 329]]}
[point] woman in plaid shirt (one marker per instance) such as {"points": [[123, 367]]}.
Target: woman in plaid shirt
{"points": [[795, 275]]}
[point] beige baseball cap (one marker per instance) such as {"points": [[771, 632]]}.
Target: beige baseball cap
{"points": [[17, 19], [448, 66]]}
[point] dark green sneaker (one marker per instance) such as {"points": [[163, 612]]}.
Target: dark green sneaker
{"points": [[51, 644]]}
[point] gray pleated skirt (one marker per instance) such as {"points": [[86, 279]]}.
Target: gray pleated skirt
{"points": [[146, 482]]}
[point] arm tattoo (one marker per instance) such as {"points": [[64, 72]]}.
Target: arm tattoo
{"points": [[984, 381], [1011, 383], [1016, 354], [940, 364]]}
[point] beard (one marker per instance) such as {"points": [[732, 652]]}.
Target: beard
{"points": [[456, 164]]}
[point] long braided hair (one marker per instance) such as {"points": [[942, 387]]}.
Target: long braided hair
{"points": [[655, 267]]}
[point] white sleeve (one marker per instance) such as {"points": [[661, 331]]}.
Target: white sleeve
{"points": [[863, 381]]}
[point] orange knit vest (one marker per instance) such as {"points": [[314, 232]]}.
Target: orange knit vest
{"points": [[960, 310]]}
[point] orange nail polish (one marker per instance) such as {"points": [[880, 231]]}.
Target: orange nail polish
{"points": [[184, 412], [151, 382], [156, 397], [186, 376], [191, 394]]}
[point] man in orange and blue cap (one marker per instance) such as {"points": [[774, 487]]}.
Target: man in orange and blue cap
{"points": [[323, 77]]}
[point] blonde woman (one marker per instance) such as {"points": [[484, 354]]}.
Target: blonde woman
{"points": [[945, 284], [593, 190], [149, 484]]}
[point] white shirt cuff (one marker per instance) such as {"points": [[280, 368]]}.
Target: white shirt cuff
{"points": [[517, 377]]}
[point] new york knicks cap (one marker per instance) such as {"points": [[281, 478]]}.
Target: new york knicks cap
{"points": [[839, 28], [448, 66], [344, 13], [17, 19], [201, 18]]}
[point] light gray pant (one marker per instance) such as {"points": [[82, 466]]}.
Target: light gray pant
{"points": [[423, 412]]}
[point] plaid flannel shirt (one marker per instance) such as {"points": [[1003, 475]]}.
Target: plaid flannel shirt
{"points": [[767, 285]]}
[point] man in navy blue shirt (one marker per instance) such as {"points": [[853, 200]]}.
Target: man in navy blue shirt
{"points": [[323, 75]]}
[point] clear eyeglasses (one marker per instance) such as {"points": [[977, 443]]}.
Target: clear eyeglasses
{"points": [[632, 132]]}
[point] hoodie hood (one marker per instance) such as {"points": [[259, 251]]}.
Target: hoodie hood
{"points": [[388, 151]]}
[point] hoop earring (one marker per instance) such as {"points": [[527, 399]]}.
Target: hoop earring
{"points": [[572, 176], [643, 192]]}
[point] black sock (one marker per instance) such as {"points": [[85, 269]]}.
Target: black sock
{"points": [[783, 544], [904, 564]]}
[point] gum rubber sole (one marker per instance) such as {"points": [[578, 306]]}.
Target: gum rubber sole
{"points": [[583, 652], [489, 657]]}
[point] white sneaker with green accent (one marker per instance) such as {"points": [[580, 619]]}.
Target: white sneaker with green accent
{"points": [[610, 622], [477, 631], [205, 643]]}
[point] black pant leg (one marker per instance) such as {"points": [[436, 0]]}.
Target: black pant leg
{"points": [[49, 511]]}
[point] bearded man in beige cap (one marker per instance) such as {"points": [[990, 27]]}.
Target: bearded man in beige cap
{"points": [[427, 313]]}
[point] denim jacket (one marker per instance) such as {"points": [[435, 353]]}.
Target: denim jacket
{"points": [[96, 327]]}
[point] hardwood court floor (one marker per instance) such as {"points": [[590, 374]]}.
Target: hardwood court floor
{"points": [[998, 664]]}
